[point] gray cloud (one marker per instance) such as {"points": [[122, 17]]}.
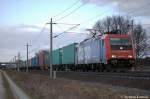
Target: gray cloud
{"points": [[14, 38], [133, 7], [139, 9]]}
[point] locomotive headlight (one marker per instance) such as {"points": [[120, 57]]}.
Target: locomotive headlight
{"points": [[113, 56], [130, 56]]}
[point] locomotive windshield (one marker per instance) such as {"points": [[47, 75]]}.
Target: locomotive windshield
{"points": [[120, 41], [120, 44]]}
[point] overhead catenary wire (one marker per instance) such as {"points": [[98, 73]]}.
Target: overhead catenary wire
{"points": [[72, 5], [35, 39], [60, 27], [57, 16], [66, 30], [37, 48], [71, 31], [70, 12], [80, 23], [98, 14], [92, 18], [42, 30], [39, 34], [66, 24], [83, 22], [107, 11], [61, 18], [77, 33]]}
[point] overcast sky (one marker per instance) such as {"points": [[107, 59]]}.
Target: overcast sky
{"points": [[22, 20]]}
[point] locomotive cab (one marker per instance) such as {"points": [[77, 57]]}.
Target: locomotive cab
{"points": [[120, 50]]}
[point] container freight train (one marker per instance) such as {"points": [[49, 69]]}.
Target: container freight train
{"points": [[106, 52]]}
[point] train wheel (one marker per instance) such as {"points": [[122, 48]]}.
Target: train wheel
{"points": [[108, 67], [99, 68]]}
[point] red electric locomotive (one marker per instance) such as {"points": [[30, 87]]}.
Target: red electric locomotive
{"points": [[119, 50], [106, 52]]}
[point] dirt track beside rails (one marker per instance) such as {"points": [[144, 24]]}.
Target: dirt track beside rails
{"points": [[43, 87]]}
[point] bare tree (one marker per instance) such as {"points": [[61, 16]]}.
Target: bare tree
{"points": [[113, 23], [139, 37], [123, 25]]}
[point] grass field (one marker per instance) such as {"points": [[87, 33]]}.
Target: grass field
{"points": [[43, 87]]}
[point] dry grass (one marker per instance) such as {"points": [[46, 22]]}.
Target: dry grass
{"points": [[43, 87]]}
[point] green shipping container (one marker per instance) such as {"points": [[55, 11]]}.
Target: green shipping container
{"points": [[56, 57], [68, 54]]}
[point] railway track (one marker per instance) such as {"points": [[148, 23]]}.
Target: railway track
{"points": [[122, 75], [128, 75]]}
